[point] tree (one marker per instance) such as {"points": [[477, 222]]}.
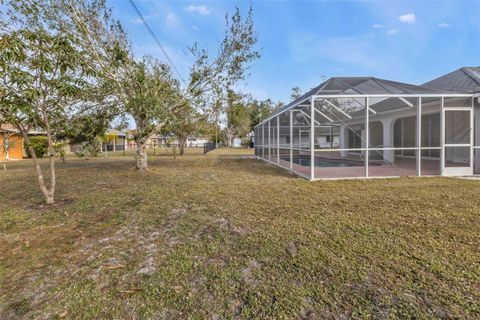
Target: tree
{"points": [[85, 127], [296, 93], [209, 78], [122, 124], [212, 78], [259, 111], [42, 73], [184, 122], [238, 118], [151, 92], [142, 88]]}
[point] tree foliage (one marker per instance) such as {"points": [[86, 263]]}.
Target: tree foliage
{"points": [[42, 73], [39, 144], [296, 93], [152, 92], [184, 122], [67, 68]]}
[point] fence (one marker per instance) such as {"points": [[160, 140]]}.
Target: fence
{"points": [[132, 146], [209, 146], [151, 148]]}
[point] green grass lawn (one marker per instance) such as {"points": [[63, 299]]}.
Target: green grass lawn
{"points": [[227, 236]]}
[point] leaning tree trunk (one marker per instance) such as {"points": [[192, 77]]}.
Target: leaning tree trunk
{"points": [[141, 153]]}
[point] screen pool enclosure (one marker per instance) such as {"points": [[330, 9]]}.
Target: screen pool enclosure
{"points": [[368, 127]]}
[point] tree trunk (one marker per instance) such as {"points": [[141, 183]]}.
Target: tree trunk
{"points": [[48, 193], [229, 141], [142, 160], [181, 146]]}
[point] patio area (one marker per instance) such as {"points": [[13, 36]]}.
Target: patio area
{"points": [[403, 167]]}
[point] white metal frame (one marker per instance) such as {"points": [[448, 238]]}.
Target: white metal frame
{"points": [[460, 170], [444, 171]]}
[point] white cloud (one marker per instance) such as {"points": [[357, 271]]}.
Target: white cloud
{"points": [[391, 32], [201, 10], [171, 20], [407, 18], [443, 25], [377, 26]]}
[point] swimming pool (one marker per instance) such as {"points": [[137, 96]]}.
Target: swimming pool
{"points": [[324, 162]]}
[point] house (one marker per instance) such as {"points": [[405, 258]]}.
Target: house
{"points": [[197, 141], [115, 141], [12, 142], [155, 140], [466, 79], [237, 143], [377, 128]]}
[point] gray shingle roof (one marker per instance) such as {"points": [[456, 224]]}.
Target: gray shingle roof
{"points": [[466, 80]]}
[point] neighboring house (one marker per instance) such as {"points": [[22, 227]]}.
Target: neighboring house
{"points": [[129, 142], [194, 142], [365, 126], [237, 143], [12, 143], [155, 140], [116, 141], [158, 140]]}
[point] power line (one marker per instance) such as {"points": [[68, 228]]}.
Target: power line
{"points": [[156, 40]]}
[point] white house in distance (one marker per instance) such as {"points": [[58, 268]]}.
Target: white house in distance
{"points": [[368, 127]]}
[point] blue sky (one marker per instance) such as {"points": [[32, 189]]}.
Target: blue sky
{"points": [[304, 42]]}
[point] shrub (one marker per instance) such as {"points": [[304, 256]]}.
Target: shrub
{"points": [[89, 149], [39, 144], [59, 149]]}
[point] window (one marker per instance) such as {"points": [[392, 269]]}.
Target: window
{"points": [[327, 138], [287, 139]]}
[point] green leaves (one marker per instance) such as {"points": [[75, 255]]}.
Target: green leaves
{"points": [[211, 78], [46, 76]]}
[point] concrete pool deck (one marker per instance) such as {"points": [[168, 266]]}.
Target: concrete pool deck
{"points": [[401, 167]]}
